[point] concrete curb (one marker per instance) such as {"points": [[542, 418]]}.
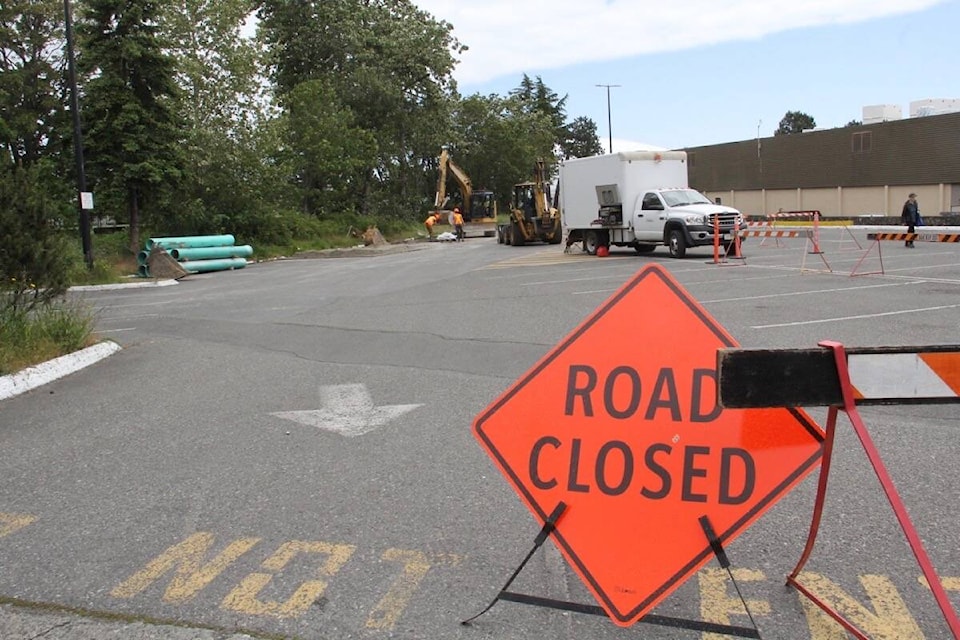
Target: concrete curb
{"points": [[124, 285], [41, 374], [46, 372]]}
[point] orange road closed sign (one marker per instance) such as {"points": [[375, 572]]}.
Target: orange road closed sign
{"points": [[621, 422]]}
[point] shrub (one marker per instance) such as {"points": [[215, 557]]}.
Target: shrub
{"points": [[34, 263], [45, 332]]}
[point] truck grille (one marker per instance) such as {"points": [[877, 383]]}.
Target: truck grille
{"points": [[727, 220]]}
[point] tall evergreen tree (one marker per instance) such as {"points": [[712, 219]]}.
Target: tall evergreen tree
{"points": [[582, 140], [537, 97], [133, 137], [31, 85]]}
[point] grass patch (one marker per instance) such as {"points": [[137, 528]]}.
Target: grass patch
{"points": [[49, 331]]}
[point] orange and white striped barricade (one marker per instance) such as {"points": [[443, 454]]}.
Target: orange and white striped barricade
{"points": [[811, 215], [813, 240], [841, 379], [793, 233], [759, 226], [846, 236], [877, 239]]}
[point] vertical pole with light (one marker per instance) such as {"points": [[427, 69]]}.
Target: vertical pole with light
{"points": [[609, 127], [85, 199]]}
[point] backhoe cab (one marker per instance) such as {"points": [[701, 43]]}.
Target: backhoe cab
{"points": [[478, 207], [532, 218]]}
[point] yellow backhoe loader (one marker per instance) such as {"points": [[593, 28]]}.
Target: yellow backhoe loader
{"points": [[532, 218]]}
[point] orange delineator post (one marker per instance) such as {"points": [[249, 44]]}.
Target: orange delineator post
{"points": [[716, 245]]}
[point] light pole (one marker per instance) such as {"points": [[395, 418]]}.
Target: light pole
{"points": [[77, 141], [609, 127]]}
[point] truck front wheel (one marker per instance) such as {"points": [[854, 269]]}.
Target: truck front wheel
{"points": [[677, 243]]}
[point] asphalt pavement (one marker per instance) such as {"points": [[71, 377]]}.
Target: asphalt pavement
{"points": [[285, 451]]}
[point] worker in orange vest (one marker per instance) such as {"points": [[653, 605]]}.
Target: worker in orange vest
{"points": [[458, 224], [429, 222]]}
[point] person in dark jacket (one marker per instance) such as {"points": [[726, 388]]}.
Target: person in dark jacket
{"points": [[910, 215]]}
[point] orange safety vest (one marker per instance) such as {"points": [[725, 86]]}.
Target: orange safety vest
{"points": [[457, 218], [430, 221]]}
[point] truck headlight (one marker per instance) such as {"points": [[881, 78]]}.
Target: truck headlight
{"points": [[695, 219]]}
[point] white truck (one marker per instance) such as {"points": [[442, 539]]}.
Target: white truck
{"points": [[639, 199]]}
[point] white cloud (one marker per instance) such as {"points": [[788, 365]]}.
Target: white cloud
{"points": [[506, 37]]}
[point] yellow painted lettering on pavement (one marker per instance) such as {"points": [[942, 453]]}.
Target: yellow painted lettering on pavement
{"points": [[950, 583], [889, 620], [10, 522], [716, 603], [244, 599], [192, 573], [416, 564]]}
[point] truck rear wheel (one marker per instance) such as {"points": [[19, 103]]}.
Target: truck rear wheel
{"points": [[677, 243], [593, 240]]}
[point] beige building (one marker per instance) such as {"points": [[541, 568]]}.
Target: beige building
{"points": [[859, 170]]}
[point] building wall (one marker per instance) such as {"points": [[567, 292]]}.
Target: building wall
{"points": [[849, 171], [839, 202]]}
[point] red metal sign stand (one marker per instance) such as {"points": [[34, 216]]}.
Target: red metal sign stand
{"points": [[849, 407]]}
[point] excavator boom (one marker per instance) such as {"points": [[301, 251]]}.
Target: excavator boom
{"points": [[478, 207]]}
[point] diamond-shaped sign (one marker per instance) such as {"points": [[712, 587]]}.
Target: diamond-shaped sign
{"points": [[621, 422]]}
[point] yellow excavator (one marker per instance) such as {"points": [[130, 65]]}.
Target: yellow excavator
{"points": [[533, 218], [479, 207]]}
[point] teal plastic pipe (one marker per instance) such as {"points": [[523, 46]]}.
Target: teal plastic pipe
{"points": [[191, 241], [201, 266], [142, 258], [208, 253]]}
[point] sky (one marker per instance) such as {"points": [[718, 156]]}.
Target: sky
{"points": [[701, 72]]}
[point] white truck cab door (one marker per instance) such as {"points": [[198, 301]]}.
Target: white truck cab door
{"points": [[649, 217]]}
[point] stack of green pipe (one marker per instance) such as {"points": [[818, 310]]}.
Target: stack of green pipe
{"points": [[198, 254], [191, 241]]}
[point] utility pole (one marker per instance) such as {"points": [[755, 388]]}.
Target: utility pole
{"points": [[609, 127], [84, 199]]}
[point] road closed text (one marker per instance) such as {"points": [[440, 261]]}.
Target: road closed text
{"points": [[695, 472]]}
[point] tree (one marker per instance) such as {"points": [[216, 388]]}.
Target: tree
{"points": [[33, 263], [535, 96], [220, 78], [386, 62], [795, 122], [497, 141], [31, 86], [854, 123], [329, 152], [134, 133], [581, 140], [218, 70]]}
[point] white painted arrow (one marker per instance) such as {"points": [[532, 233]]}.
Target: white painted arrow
{"points": [[347, 409]]}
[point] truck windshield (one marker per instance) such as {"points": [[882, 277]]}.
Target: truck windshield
{"points": [[681, 197]]}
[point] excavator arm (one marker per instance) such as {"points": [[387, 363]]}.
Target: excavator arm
{"points": [[449, 167]]}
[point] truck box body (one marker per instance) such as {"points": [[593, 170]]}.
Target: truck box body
{"points": [[633, 173], [639, 199]]}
